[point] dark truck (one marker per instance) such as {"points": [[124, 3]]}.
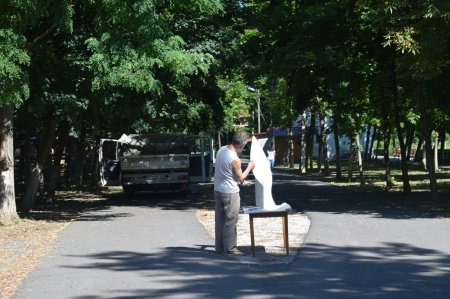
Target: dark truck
{"points": [[155, 162]]}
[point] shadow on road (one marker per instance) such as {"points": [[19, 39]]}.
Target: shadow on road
{"points": [[386, 270], [325, 272], [300, 193], [71, 205]]}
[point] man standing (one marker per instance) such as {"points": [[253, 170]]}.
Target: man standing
{"points": [[227, 177]]}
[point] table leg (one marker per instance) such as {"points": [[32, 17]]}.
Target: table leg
{"points": [[252, 235], [285, 233]]}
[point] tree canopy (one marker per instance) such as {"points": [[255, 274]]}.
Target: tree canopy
{"points": [[106, 67]]}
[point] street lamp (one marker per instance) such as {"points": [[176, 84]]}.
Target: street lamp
{"points": [[258, 101]]}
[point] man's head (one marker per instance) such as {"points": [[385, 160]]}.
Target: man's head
{"points": [[240, 139]]}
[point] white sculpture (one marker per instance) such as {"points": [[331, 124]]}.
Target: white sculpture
{"points": [[263, 180]]}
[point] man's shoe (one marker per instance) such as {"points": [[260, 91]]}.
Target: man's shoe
{"points": [[234, 252]]}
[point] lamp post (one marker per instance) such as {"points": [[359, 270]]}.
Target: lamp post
{"points": [[258, 102]]}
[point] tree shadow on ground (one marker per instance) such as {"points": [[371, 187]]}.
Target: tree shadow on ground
{"points": [[70, 204], [394, 270], [302, 194]]}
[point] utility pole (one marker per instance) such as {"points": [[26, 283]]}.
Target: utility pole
{"points": [[258, 99]]}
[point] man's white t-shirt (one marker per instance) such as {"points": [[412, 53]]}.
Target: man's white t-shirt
{"points": [[224, 178]]}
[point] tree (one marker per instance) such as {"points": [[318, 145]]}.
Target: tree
{"points": [[103, 68], [13, 90], [420, 34]]}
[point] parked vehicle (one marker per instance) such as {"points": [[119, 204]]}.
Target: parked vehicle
{"points": [[155, 162]]}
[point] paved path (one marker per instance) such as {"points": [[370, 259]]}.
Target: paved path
{"points": [[358, 246]]}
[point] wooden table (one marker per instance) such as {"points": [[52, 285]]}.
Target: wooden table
{"points": [[265, 214]]}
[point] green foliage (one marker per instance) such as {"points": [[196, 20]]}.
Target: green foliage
{"points": [[62, 15], [402, 40], [13, 59], [122, 68], [140, 66], [154, 56], [331, 49], [141, 52], [237, 100]]}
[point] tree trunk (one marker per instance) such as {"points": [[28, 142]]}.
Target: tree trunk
{"points": [[8, 211], [387, 166], [320, 141], [320, 155], [44, 150], [95, 171], [307, 144], [442, 158], [350, 161], [374, 136], [409, 142], [404, 162], [308, 157], [424, 157], [387, 138], [419, 150], [219, 142], [366, 149], [291, 148], [386, 120], [302, 136], [338, 150], [81, 157], [312, 134], [70, 158], [426, 128], [377, 150], [326, 161], [324, 133], [27, 153], [55, 171], [360, 161], [436, 141]]}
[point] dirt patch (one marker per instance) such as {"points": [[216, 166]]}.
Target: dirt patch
{"points": [[268, 237], [23, 243], [21, 246], [268, 231]]}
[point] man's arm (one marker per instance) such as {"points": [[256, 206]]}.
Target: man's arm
{"points": [[240, 176]]}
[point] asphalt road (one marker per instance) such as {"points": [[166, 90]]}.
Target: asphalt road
{"points": [[358, 246]]}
